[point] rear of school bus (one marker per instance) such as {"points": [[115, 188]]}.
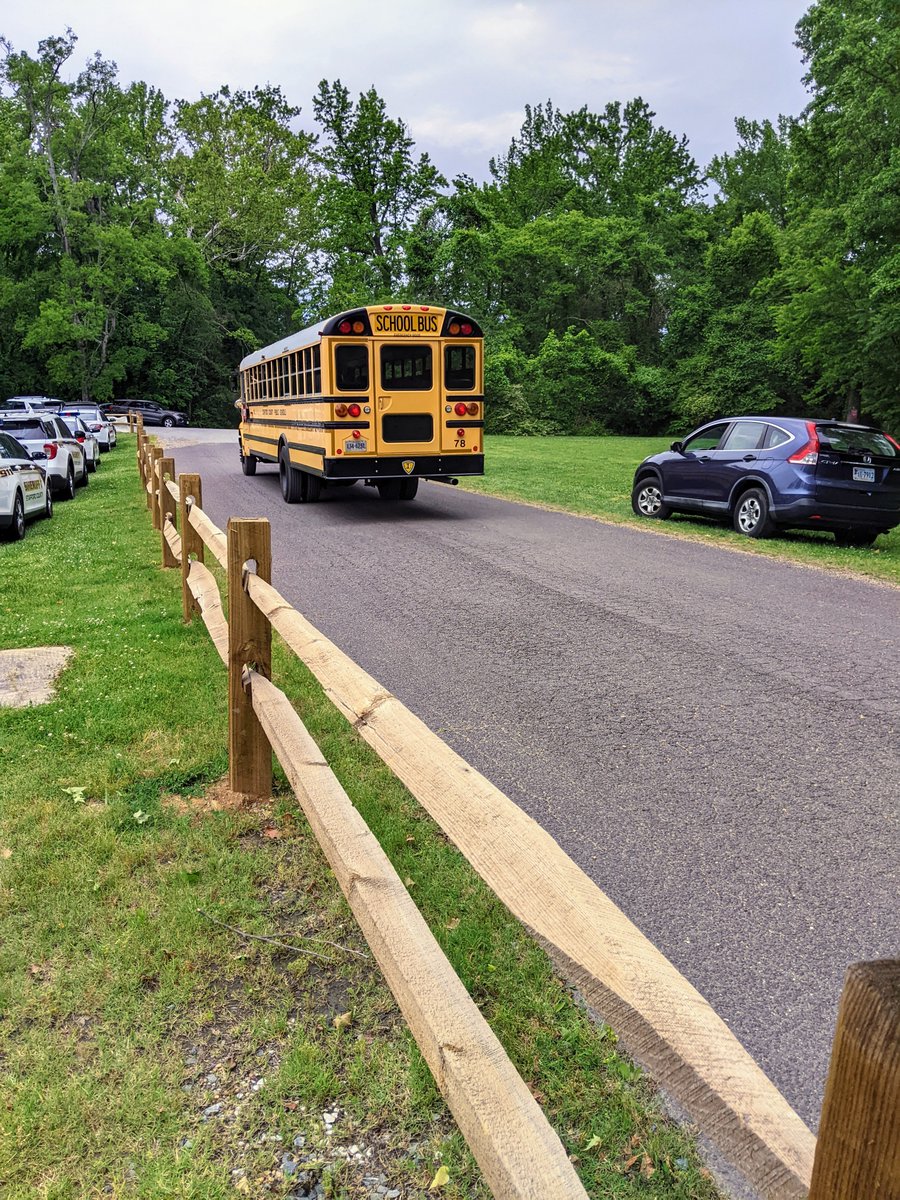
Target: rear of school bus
{"points": [[406, 385]]}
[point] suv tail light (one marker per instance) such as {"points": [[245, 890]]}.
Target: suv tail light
{"points": [[808, 455], [50, 449]]}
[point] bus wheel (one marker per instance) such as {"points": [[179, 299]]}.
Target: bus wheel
{"points": [[310, 489], [389, 489], [408, 489], [248, 463], [291, 478]]}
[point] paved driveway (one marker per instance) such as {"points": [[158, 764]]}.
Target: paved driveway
{"points": [[712, 736]]}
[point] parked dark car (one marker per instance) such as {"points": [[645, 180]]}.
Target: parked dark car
{"points": [[153, 413], [769, 473]]}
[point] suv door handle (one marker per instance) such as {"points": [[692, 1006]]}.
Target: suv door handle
{"points": [[703, 458], [749, 458]]}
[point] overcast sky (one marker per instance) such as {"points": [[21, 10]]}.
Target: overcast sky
{"points": [[458, 72]]}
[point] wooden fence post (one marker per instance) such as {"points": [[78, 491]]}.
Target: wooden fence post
{"points": [[156, 454], [140, 457], [191, 542], [249, 642], [858, 1152], [166, 509]]}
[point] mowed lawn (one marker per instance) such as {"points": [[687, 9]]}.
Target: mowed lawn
{"points": [[593, 475]]}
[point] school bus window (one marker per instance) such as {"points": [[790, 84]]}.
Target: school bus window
{"points": [[459, 368], [286, 376], [317, 369], [406, 367], [352, 368]]}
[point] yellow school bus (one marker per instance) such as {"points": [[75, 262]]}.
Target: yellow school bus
{"points": [[387, 395]]}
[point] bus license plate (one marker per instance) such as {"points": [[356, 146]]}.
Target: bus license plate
{"points": [[359, 447], [864, 474]]}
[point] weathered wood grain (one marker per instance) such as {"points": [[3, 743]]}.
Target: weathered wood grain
{"points": [[521, 1156]]}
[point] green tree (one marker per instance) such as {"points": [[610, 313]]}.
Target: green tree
{"points": [[85, 158], [723, 333], [842, 250], [755, 177], [372, 193]]}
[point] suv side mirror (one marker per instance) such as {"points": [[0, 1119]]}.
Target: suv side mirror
{"points": [[676, 447], [37, 455]]}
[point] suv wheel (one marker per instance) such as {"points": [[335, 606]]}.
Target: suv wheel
{"points": [[168, 422], [647, 501], [860, 538], [751, 514], [17, 528], [68, 491], [48, 502]]}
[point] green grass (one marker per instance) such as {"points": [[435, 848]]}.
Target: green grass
{"points": [[593, 476], [119, 999]]}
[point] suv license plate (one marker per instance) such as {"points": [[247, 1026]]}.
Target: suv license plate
{"points": [[361, 447], [864, 474]]}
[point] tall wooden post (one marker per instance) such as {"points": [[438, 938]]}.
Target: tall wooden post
{"points": [[155, 459], [140, 457], [249, 643], [166, 509], [191, 542], [858, 1151]]}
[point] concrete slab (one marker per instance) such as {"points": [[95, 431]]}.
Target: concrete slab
{"points": [[27, 675]]}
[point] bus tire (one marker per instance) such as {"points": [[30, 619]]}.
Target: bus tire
{"points": [[389, 489], [408, 489], [248, 463], [291, 479], [311, 488]]}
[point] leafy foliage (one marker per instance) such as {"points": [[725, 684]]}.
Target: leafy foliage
{"points": [[146, 246]]}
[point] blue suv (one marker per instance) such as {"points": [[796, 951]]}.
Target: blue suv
{"points": [[766, 473]]}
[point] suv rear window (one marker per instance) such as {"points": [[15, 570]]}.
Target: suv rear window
{"points": [[29, 431], [856, 441]]}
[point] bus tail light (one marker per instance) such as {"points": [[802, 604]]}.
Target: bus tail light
{"points": [[50, 449], [354, 410], [460, 433], [356, 433], [454, 328], [345, 327], [465, 328], [341, 410], [461, 409], [472, 409]]}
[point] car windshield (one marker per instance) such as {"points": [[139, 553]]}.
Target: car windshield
{"points": [[856, 441]]}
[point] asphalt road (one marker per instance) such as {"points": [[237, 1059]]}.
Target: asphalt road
{"points": [[712, 736]]}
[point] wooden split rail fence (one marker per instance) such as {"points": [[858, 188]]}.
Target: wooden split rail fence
{"points": [[662, 1020]]}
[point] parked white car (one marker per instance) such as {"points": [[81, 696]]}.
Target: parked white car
{"points": [[98, 424], [50, 441], [86, 439], [24, 488], [26, 404]]}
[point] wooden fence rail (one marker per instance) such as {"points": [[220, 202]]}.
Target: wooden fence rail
{"points": [[665, 1023]]}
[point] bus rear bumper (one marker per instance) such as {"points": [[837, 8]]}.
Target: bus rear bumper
{"points": [[432, 466]]}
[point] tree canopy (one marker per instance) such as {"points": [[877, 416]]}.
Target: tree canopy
{"points": [[147, 244]]}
